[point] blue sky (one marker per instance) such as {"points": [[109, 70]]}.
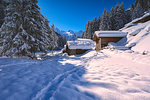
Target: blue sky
{"points": [[74, 14]]}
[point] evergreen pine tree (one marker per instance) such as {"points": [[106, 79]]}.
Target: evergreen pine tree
{"points": [[2, 13], [129, 13], [89, 31], [120, 16], [55, 38], [60, 42], [25, 31], [84, 35], [94, 27], [145, 4], [98, 22], [112, 19], [138, 11], [105, 22], [123, 14], [64, 39], [91, 27]]}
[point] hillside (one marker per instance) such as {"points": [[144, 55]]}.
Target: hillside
{"points": [[138, 34]]}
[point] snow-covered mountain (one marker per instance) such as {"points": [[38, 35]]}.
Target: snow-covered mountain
{"points": [[70, 35]]}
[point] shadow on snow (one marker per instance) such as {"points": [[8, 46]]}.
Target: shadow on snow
{"points": [[23, 79]]}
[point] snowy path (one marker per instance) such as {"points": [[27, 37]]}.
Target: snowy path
{"points": [[92, 76], [22, 79], [48, 91]]}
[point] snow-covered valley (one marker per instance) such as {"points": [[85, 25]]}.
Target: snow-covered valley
{"points": [[106, 75], [40, 62]]}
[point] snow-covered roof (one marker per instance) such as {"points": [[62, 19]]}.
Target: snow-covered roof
{"points": [[110, 34], [132, 23], [81, 44], [137, 19], [138, 37]]}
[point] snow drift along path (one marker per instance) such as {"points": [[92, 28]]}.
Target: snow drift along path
{"points": [[93, 76]]}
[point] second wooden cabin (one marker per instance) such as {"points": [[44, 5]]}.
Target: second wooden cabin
{"points": [[102, 38], [79, 46]]}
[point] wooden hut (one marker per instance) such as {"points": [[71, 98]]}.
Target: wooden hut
{"points": [[102, 38], [79, 46], [142, 19]]}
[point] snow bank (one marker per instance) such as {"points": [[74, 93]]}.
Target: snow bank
{"points": [[110, 33], [112, 45], [81, 44], [130, 55], [138, 36]]}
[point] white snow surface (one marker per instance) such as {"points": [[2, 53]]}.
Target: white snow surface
{"points": [[138, 36], [81, 44], [110, 34], [103, 75], [112, 45]]}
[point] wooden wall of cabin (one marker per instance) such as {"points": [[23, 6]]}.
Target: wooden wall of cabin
{"points": [[145, 19], [106, 40], [69, 51], [98, 44], [74, 51], [81, 51]]}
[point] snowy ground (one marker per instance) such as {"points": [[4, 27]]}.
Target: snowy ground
{"points": [[105, 75]]}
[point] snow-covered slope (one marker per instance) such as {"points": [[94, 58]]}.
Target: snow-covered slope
{"points": [[70, 35], [138, 36]]}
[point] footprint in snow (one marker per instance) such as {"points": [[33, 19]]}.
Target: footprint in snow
{"points": [[133, 75], [132, 91]]}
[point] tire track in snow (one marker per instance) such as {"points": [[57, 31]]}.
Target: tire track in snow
{"points": [[49, 91]]}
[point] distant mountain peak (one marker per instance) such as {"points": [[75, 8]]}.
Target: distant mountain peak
{"points": [[70, 34]]}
